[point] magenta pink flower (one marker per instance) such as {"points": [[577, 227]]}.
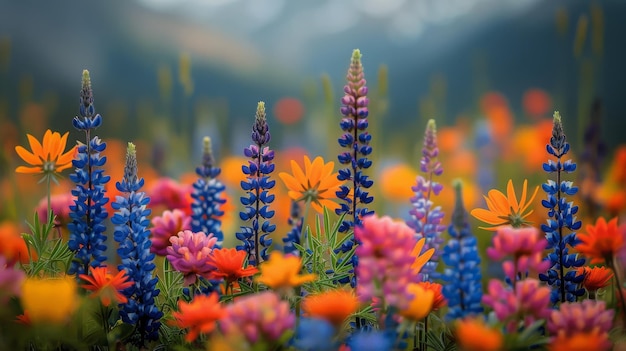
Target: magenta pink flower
{"points": [[581, 317], [11, 279], [189, 254], [60, 205], [526, 304], [169, 224], [259, 317], [384, 268], [524, 245], [171, 195]]}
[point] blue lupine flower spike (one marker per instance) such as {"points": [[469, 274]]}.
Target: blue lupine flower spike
{"points": [[562, 224], [255, 237], [88, 214], [355, 140], [462, 275], [425, 217], [207, 196], [131, 222]]}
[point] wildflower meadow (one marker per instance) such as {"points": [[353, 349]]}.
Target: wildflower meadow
{"points": [[269, 249]]}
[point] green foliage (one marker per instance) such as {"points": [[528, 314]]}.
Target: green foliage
{"points": [[53, 257]]}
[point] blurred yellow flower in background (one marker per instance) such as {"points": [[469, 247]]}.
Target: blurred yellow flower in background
{"points": [[51, 300]]}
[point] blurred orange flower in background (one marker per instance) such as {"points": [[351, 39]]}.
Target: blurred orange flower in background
{"points": [[536, 102], [395, 182], [333, 306], [474, 335], [12, 245], [288, 110]]}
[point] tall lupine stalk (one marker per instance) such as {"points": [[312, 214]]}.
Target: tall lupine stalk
{"points": [[87, 239], [207, 196], [425, 217], [255, 238], [562, 273], [463, 288], [131, 223], [355, 140]]}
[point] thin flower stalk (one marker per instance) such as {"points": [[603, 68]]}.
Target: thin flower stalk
{"points": [[356, 142], [255, 238], [89, 214], [462, 275], [207, 196], [426, 219], [562, 224], [131, 222]]}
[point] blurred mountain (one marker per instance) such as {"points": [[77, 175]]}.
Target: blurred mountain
{"points": [[507, 49]]}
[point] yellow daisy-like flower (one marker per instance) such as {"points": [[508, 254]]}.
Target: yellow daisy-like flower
{"points": [[47, 157], [505, 209], [283, 272], [37, 295], [317, 184]]}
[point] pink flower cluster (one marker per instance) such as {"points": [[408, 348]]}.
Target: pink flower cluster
{"points": [[60, 205], [168, 194], [169, 224], [384, 268], [189, 254], [524, 245], [581, 317], [11, 279], [529, 301], [263, 316]]}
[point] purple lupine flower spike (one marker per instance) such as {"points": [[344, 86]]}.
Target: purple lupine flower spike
{"points": [[426, 219]]}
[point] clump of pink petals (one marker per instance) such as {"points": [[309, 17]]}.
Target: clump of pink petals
{"points": [[189, 254], [524, 245], [525, 304], [384, 268], [169, 224], [259, 317]]}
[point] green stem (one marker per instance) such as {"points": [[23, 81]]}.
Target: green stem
{"points": [[611, 264]]}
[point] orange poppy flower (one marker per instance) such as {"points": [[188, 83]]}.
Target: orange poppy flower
{"points": [[505, 209], [420, 259], [333, 306], [317, 184], [46, 157], [592, 340], [421, 304], [601, 241], [282, 271], [229, 263], [199, 315], [595, 277], [106, 285], [438, 299], [474, 335]]}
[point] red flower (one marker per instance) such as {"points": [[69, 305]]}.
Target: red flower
{"points": [[602, 241], [106, 285], [199, 315], [229, 264]]}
